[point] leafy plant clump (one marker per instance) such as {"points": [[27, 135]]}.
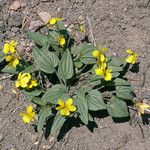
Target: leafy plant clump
{"points": [[67, 80]]}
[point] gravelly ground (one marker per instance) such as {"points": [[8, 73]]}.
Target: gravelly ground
{"points": [[116, 24]]}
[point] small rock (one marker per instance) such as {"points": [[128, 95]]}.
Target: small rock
{"points": [[1, 137], [133, 24], [45, 16], [12, 149], [34, 25], [15, 20], [46, 147], [15, 29], [15, 6], [123, 26]]}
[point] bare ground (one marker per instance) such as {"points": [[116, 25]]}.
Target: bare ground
{"points": [[116, 24]]}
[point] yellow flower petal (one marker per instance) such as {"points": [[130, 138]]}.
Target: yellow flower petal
{"points": [[95, 53], [11, 49], [29, 109], [8, 58], [17, 84], [58, 108], [6, 48], [62, 41], [26, 119], [101, 58], [72, 108], [129, 51], [130, 59], [141, 107], [52, 21], [61, 103], [13, 43], [69, 102], [15, 62], [24, 81], [108, 76], [65, 112], [99, 71]]}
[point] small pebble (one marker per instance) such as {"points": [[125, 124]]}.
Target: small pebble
{"points": [[123, 26], [1, 137], [133, 24], [46, 147]]}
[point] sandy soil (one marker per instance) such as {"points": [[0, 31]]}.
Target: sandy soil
{"points": [[117, 24]]}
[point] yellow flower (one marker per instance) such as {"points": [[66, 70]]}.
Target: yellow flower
{"points": [[29, 115], [105, 73], [66, 108], [61, 41], [81, 28], [140, 107], [99, 54], [23, 80], [53, 21], [13, 60], [32, 83], [132, 58], [9, 47]]}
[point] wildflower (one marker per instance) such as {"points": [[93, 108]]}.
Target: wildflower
{"points": [[53, 21], [141, 107], [13, 60], [61, 41], [32, 83], [9, 47], [66, 107], [105, 73], [132, 58], [23, 80], [99, 54], [29, 115], [81, 28]]}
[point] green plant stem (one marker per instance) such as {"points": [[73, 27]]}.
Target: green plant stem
{"points": [[80, 71]]}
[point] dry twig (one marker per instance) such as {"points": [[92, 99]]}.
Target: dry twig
{"points": [[91, 31]]}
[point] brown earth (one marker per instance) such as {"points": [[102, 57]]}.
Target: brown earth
{"points": [[116, 24]]}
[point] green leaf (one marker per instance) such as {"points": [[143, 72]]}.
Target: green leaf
{"points": [[95, 100], [32, 92], [95, 80], [117, 108], [82, 106], [38, 101], [53, 41], [31, 69], [45, 60], [57, 123], [124, 92], [2, 57], [56, 92], [85, 53], [115, 62], [65, 68], [121, 82], [115, 69], [38, 38], [91, 118], [42, 118]]}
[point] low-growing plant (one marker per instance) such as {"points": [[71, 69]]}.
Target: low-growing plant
{"points": [[69, 79]]}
